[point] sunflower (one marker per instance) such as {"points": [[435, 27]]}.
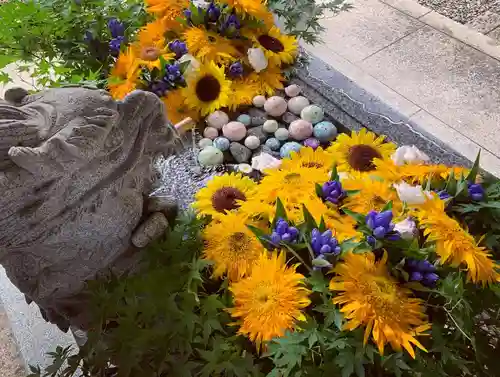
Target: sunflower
{"points": [[251, 8], [309, 158], [343, 227], [124, 75], [208, 89], [208, 46], [355, 154], [270, 300], [149, 51], [177, 110], [368, 194], [223, 193], [370, 297], [243, 93], [231, 246], [168, 9], [269, 80], [278, 48], [456, 246]]}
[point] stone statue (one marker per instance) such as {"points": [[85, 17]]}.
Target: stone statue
{"points": [[75, 167]]}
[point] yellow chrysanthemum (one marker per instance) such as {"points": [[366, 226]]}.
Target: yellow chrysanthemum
{"points": [[370, 297], [231, 246], [309, 158], [270, 300], [223, 193], [343, 227], [124, 75], [149, 50], [169, 9], [208, 89], [177, 109], [251, 8], [456, 246], [371, 195], [208, 46], [355, 154], [269, 80], [243, 92], [279, 48]]}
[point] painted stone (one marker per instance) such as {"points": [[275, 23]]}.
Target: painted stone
{"points": [[312, 143], [210, 156], [312, 113], [281, 134], [252, 142], [273, 144], [205, 142], [234, 131], [240, 152], [289, 117], [292, 90], [297, 104], [288, 148], [210, 133], [259, 101], [221, 143], [217, 119], [275, 106], [245, 119], [325, 131], [270, 126], [259, 132], [300, 129]]}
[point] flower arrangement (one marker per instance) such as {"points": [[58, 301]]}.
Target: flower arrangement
{"points": [[360, 259], [202, 56]]}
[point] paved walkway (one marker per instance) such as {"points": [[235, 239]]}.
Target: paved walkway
{"points": [[443, 76]]}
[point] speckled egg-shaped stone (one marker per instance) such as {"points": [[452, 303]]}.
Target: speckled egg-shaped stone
{"points": [[210, 156], [217, 119], [270, 126], [297, 104], [259, 101], [234, 131], [312, 143], [325, 131], [300, 129], [281, 134], [288, 148], [275, 106], [205, 142], [292, 90], [273, 144], [245, 119], [221, 143], [252, 142], [312, 113], [210, 133]]}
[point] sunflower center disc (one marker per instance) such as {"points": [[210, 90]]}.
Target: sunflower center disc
{"points": [[225, 198], [292, 178], [361, 157], [271, 43], [211, 39], [316, 165], [150, 53], [208, 89]]}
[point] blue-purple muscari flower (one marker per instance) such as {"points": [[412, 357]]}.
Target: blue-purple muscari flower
{"points": [[231, 26], [160, 88], [178, 48], [381, 225], [213, 12], [236, 69], [115, 44], [116, 28], [443, 195], [476, 191], [332, 192], [324, 243], [422, 271], [284, 232]]}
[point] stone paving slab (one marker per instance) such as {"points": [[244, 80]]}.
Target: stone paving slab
{"points": [[11, 363], [495, 34], [486, 22]]}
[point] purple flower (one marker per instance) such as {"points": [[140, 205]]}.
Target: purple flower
{"points": [[332, 192], [284, 232], [236, 69], [178, 48], [443, 195], [422, 271], [116, 28], [324, 243], [213, 12], [476, 191], [430, 279], [231, 26], [416, 276], [115, 44], [381, 225], [160, 88], [188, 14]]}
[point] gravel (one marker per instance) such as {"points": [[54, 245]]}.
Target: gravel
{"points": [[463, 11]]}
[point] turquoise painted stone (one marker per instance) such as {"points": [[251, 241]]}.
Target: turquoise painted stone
{"points": [[312, 113], [222, 144], [210, 156], [325, 131], [287, 148], [205, 143], [273, 144], [245, 119]]}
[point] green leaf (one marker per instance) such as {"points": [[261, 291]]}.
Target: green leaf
{"points": [[183, 66], [318, 282], [360, 219], [309, 219], [451, 184], [322, 225], [280, 212], [6, 60], [335, 175], [319, 190], [471, 177], [317, 262], [387, 207]]}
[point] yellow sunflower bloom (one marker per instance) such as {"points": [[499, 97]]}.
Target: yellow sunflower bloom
{"points": [[243, 93], [223, 194], [456, 246], [370, 297], [169, 9], [177, 110], [208, 89], [269, 80], [231, 246], [270, 300], [208, 46], [124, 75], [251, 8], [278, 48], [371, 195], [148, 53], [343, 227], [309, 158], [355, 154]]}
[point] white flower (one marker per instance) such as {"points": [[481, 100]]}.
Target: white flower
{"points": [[409, 155], [200, 4], [265, 161], [412, 194], [406, 228], [193, 64], [257, 59]]}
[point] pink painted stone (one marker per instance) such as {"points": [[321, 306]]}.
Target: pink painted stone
{"points": [[210, 133], [234, 131], [300, 129], [275, 106]]}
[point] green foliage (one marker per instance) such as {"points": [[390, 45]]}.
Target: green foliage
{"points": [[49, 35]]}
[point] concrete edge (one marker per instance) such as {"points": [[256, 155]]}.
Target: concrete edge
{"points": [[463, 33]]}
